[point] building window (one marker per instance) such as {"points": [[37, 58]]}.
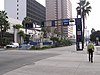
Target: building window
{"points": [[17, 13], [17, 0], [17, 5], [17, 17], [17, 9]]}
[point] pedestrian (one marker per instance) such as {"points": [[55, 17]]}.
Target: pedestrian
{"points": [[90, 49]]}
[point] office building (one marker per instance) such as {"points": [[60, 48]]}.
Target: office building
{"points": [[19, 9], [59, 10]]}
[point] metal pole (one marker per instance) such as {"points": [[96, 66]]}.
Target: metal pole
{"points": [[57, 15], [62, 19]]}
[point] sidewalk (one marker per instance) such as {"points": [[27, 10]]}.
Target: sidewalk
{"points": [[2, 49], [72, 63]]}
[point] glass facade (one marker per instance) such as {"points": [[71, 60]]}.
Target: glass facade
{"points": [[35, 11]]}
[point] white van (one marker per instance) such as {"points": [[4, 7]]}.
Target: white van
{"points": [[12, 45]]}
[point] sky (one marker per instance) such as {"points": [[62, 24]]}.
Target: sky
{"points": [[92, 20]]}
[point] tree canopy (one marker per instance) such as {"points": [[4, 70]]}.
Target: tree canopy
{"points": [[95, 35], [4, 25], [83, 8]]}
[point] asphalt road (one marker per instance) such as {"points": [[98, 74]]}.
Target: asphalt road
{"points": [[10, 60]]}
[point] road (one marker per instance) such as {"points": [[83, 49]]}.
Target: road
{"points": [[13, 59]]}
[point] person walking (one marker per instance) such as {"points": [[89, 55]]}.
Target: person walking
{"points": [[90, 49]]}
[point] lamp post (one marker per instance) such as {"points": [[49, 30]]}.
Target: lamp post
{"points": [[62, 19], [87, 36], [57, 14], [97, 41]]}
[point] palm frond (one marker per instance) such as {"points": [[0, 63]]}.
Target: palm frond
{"points": [[89, 7], [78, 8], [87, 3], [79, 3], [84, 7]]}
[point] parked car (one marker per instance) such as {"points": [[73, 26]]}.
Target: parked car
{"points": [[12, 45], [25, 46]]}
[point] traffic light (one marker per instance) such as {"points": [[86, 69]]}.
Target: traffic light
{"points": [[28, 25], [65, 22], [53, 23], [42, 24]]}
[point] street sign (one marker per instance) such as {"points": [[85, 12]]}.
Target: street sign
{"points": [[78, 24], [78, 29], [65, 22], [79, 33], [79, 37], [71, 21]]}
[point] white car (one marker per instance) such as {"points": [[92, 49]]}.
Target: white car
{"points": [[12, 45]]}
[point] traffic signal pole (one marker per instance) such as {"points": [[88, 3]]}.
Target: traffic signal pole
{"points": [[57, 15], [67, 22]]}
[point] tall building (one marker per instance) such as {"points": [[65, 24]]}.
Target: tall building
{"points": [[59, 10], [19, 9]]}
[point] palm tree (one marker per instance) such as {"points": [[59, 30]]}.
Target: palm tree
{"points": [[93, 30], [83, 10], [21, 34], [16, 29], [57, 32], [25, 23], [45, 30], [4, 24]]}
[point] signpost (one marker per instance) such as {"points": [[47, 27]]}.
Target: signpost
{"points": [[79, 40], [69, 22], [65, 22]]}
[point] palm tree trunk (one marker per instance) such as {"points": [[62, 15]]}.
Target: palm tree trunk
{"points": [[1, 36]]}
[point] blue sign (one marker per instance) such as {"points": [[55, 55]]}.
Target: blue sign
{"points": [[78, 24], [65, 22]]}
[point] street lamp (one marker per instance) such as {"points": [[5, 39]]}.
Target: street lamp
{"points": [[87, 36]]}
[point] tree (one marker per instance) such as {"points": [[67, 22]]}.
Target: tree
{"points": [[4, 24], [57, 32], [83, 10], [21, 34], [27, 38], [25, 23], [94, 35], [45, 30], [16, 30], [17, 26], [93, 30], [54, 39]]}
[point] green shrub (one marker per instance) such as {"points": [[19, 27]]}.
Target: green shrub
{"points": [[46, 47], [32, 48]]}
